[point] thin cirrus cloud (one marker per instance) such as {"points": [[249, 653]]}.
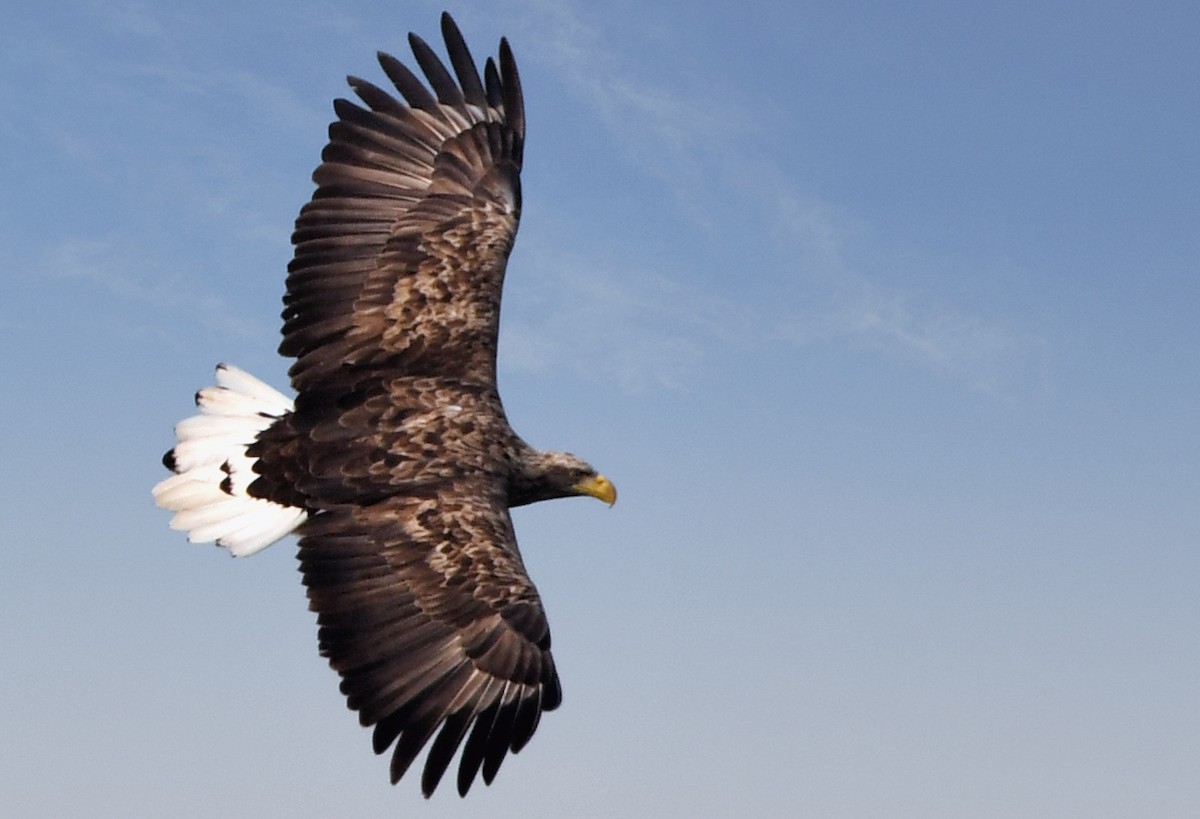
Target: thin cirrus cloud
{"points": [[710, 168], [655, 332], [140, 283], [662, 326]]}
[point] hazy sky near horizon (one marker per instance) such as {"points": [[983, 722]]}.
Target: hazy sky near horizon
{"points": [[882, 318]]}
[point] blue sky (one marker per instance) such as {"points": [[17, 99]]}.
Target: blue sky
{"points": [[880, 316]]}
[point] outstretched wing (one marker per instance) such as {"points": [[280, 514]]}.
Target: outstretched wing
{"points": [[427, 613], [400, 255], [398, 443]]}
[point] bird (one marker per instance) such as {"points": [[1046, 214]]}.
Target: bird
{"points": [[395, 464]]}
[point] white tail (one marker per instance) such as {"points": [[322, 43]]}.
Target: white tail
{"points": [[208, 492]]}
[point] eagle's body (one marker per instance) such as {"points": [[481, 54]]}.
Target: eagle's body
{"points": [[395, 463]]}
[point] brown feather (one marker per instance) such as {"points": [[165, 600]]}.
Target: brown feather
{"points": [[398, 444]]}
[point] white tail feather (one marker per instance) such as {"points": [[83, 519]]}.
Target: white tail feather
{"points": [[208, 492]]}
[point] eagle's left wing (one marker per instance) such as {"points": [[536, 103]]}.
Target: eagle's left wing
{"points": [[427, 613]]}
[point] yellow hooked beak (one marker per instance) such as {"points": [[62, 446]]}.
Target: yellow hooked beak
{"points": [[598, 487]]}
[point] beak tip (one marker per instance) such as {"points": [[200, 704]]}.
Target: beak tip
{"points": [[600, 488]]}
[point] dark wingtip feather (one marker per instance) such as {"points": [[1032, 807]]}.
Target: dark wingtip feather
{"points": [[474, 750], [441, 752], [463, 63], [409, 745], [386, 731], [514, 100], [500, 741], [168, 459], [412, 89], [375, 97], [525, 721], [551, 687], [448, 92], [495, 91]]}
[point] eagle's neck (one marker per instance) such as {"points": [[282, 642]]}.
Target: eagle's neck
{"points": [[539, 476]]}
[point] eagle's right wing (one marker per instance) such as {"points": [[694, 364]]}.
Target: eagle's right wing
{"points": [[400, 255]]}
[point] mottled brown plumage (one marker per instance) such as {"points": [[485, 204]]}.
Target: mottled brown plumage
{"points": [[397, 448], [400, 254]]}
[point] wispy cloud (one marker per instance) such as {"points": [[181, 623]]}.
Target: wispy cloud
{"points": [[134, 279], [707, 161], [650, 335], [135, 19], [646, 331], [985, 355], [660, 128], [659, 329], [161, 139]]}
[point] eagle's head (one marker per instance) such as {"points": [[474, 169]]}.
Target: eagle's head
{"points": [[548, 475]]}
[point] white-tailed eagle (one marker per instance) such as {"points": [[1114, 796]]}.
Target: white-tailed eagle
{"points": [[395, 464]]}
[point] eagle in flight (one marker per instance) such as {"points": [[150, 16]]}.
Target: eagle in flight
{"points": [[395, 463]]}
